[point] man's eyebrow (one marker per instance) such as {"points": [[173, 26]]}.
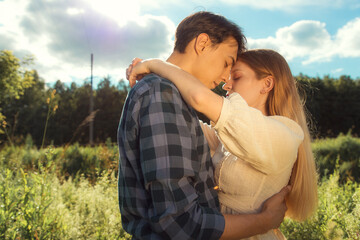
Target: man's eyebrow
{"points": [[233, 60]]}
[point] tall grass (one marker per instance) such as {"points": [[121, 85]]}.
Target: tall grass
{"points": [[338, 215], [71, 193], [39, 205], [343, 151], [69, 161]]}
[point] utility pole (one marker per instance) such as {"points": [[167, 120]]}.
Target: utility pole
{"points": [[91, 132]]}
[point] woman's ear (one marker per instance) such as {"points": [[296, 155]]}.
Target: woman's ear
{"points": [[268, 84], [202, 41]]}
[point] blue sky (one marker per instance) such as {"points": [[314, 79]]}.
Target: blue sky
{"points": [[317, 37]]}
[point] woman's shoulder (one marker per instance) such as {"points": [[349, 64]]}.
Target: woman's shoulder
{"points": [[237, 114], [289, 125]]}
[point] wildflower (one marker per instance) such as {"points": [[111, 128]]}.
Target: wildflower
{"points": [[4, 123], [48, 100], [55, 108], [53, 93]]}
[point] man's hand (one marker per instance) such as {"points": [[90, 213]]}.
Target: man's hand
{"points": [[274, 208], [247, 225]]}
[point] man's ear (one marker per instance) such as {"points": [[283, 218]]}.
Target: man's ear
{"points": [[268, 84], [202, 41]]}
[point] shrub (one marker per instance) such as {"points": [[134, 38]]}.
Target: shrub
{"points": [[345, 150], [337, 216], [35, 205]]}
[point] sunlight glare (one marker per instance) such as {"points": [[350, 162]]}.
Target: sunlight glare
{"points": [[120, 11]]}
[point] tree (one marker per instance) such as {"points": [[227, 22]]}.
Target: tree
{"points": [[109, 101], [27, 114], [14, 78]]}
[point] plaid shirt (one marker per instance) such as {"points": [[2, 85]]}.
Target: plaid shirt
{"points": [[166, 186]]}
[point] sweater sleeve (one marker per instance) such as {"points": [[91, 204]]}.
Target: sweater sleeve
{"points": [[269, 144]]}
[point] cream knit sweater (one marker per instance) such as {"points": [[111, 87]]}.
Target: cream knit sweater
{"points": [[253, 159]]}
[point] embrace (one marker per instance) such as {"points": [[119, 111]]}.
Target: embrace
{"points": [[235, 178]]}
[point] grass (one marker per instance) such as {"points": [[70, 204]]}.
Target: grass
{"points": [[39, 205], [71, 193]]}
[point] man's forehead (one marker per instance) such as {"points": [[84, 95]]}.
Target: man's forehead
{"points": [[230, 47], [233, 59], [233, 44], [231, 41]]}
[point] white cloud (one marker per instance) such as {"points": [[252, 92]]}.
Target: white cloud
{"points": [[347, 39], [311, 41], [74, 11], [338, 70], [291, 5], [62, 34]]}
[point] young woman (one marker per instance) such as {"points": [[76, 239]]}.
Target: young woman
{"points": [[258, 135]]}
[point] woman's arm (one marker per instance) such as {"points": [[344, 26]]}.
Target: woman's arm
{"points": [[192, 90]]}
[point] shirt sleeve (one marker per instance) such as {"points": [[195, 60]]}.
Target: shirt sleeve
{"points": [[268, 144], [210, 136], [169, 166]]}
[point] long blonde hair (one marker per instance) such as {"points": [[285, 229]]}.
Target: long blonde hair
{"points": [[284, 100]]}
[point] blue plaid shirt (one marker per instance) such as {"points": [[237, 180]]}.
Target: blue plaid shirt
{"points": [[166, 185]]}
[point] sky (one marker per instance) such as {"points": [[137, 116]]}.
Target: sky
{"points": [[316, 37]]}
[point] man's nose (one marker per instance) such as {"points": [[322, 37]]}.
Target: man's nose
{"points": [[226, 77], [227, 86], [228, 83]]}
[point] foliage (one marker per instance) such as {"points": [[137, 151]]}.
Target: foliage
{"points": [[337, 217], [71, 193], [69, 161], [333, 104], [69, 123], [27, 115], [343, 151], [14, 78], [36, 205]]}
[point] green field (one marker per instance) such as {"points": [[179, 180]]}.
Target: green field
{"points": [[71, 193]]}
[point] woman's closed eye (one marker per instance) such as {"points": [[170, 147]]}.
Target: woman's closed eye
{"points": [[236, 77]]}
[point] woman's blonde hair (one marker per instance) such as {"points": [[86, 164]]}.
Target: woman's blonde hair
{"points": [[284, 100]]}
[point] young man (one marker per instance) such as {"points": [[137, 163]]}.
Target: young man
{"points": [[166, 185]]}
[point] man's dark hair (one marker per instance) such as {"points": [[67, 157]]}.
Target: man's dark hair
{"points": [[216, 26]]}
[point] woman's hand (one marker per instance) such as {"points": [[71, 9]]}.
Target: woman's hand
{"points": [[137, 70]]}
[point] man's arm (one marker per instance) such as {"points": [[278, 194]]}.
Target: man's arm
{"points": [[247, 225]]}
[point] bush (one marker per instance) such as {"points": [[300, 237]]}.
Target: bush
{"points": [[337, 217], [343, 150], [70, 161], [90, 161], [35, 205], [71, 193]]}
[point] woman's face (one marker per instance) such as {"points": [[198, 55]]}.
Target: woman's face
{"points": [[243, 81]]}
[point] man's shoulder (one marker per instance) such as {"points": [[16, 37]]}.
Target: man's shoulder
{"points": [[152, 83]]}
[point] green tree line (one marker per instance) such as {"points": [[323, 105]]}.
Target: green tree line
{"points": [[25, 100]]}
